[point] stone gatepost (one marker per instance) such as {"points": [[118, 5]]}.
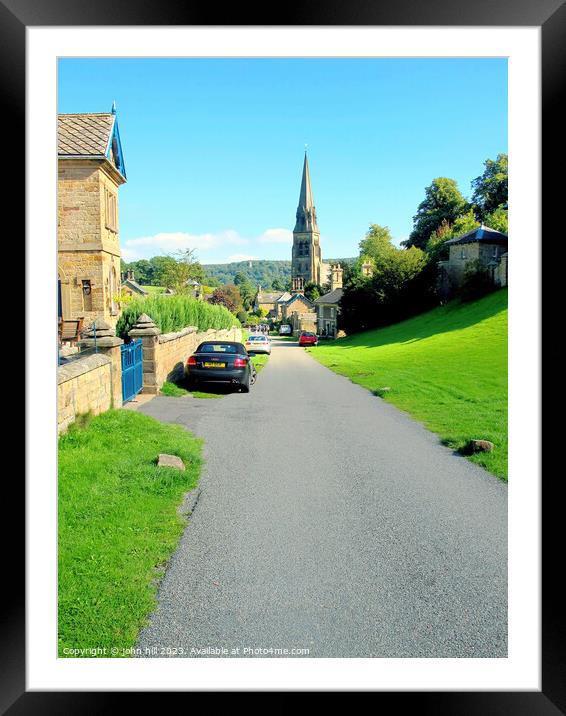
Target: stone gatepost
{"points": [[102, 335], [146, 329]]}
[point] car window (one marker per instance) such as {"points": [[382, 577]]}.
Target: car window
{"points": [[217, 348]]}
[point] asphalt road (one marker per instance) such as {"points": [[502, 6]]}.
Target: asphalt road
{"points": [[331, 522]]}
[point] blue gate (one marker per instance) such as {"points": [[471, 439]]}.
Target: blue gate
{"points": [[132, 369]]}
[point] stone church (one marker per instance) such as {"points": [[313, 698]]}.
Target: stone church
{"points": [[306, 258]]}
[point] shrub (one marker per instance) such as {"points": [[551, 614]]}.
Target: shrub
{"points": [[173, 313], [477, 282]]}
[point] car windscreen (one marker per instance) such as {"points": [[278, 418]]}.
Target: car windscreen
{"points": [[217, 348], [257, 338]]}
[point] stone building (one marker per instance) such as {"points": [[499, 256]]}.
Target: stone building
{"points": [[131, 286], [90, 171], [306, 258], [482, 246], [328, 306]]}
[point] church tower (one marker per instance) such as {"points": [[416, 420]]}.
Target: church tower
{"points": [[306, 260]]}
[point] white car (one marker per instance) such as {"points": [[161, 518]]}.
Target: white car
{"points": [[258, 343]]}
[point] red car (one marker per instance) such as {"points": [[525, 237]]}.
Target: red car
{"points": [[308, 339]]}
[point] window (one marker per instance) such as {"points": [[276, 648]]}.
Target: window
{"points": [[111, 211], [463, 254]]}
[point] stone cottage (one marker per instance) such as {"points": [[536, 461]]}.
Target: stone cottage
{"points": [[90, 171], [484, 245], [328, 306]]}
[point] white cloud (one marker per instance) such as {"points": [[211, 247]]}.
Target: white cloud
{"points": [[147, 246], [276, 236]]}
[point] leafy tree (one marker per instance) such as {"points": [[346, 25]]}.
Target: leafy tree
{"points": [[498, 220], [443, 202], [278, 285], [228, 296], [312, 290], [490, 189], [162, 268], [376, 244]]}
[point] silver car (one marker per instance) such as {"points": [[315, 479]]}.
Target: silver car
{"points": [[258, 343]]}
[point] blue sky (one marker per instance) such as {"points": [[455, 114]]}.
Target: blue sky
{"points": [[214, 147]]}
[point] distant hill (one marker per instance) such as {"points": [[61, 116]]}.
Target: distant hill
{"points": [[261, 272]]}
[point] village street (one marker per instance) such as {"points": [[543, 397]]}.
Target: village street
{"points": [[329, 521]]}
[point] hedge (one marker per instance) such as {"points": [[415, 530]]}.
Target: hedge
{"points": [[173, 313]]}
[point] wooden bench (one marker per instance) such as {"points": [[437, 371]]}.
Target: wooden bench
{"points": [[70, 330]]}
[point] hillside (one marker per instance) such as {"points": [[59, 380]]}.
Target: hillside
{"points": [[447, 368], [259, 273]]}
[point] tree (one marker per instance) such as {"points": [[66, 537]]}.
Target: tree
{"points": [[498, 220], [228, 296], [195, 270], [376, 244], [277, 284], [443, 202], [490, 189], [312, 290]]}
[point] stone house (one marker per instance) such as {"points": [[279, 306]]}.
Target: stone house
{"points": [[484, 245], [131, 286], [328, 306], [90, 171], [297, 304], [269, 301]]}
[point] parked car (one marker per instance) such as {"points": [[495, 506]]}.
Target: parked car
{"points": [[220, 362], [285, 329], [258, 343], [307, 338]]}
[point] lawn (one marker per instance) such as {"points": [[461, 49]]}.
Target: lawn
{"points": [[118, 524], [447, 368], [154, 290]]}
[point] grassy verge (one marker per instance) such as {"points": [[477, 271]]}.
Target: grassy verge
{"points": [[447, 368], [118, 525]]}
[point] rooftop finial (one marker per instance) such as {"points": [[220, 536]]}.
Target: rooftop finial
{"points": [[114, 107]]}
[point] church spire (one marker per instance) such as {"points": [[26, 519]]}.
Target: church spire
{"points": [[306, 213]]}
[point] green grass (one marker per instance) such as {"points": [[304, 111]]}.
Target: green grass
{"points": [[118, 524], [175, 390], [154, 290], [447, 368]]}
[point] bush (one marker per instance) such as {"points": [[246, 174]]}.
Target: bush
{"points": [[173, 313], [477, 282]]}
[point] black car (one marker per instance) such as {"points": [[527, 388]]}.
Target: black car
{"points": [[220, 362]]}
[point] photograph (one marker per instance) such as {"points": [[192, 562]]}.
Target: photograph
{"points": [[282, 377]]}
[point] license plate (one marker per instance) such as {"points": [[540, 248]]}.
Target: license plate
{"points": [[214, 365]]}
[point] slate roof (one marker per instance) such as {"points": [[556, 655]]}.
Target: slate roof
{"points": [[483, 234], [134, 285], [331, 297], [297, 296], [268, 297], [84, 134], [284, 297]]}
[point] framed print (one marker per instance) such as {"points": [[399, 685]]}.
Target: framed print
{"points": [[353, 528]]}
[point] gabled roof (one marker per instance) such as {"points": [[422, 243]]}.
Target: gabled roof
{"points": [[268, 297], [284, 297], [92, 135], [134, 285], [331, 296], [297, 296], [483, 234]]}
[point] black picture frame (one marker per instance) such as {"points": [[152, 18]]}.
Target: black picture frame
{"points": [[550, 15]]}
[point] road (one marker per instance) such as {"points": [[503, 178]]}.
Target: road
{"points": [[330, 523]]}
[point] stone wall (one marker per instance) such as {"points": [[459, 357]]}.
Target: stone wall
{"points": [[83, 386], [165, 355]]}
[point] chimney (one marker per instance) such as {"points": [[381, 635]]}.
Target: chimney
{"points": [[367, 269], [336, 273], [130, 274]]}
